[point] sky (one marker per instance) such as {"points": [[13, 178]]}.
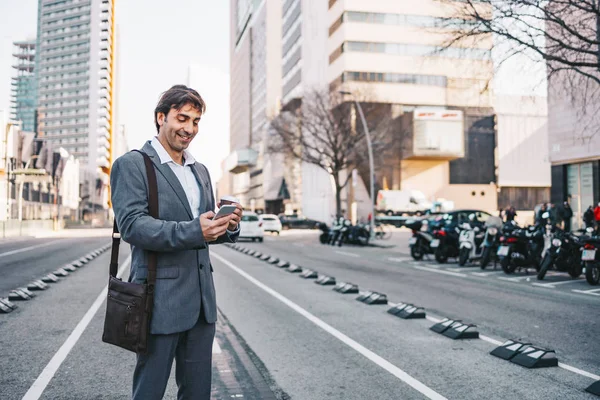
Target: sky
{"points": [[158, 44]]}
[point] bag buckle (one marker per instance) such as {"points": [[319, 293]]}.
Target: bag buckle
{"points": [[116, 235]]}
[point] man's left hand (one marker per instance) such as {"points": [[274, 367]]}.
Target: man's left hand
{"points": [[236, 217]]}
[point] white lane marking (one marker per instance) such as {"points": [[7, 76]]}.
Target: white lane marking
{"points": [[543, 285], [439, 271], [517, 279], [499, 343], [396, 259], [579, 371], [380, 361], [37, 246], [345, 253], [484, 274], [552, 285], [37, 389], [458, 269], [590, 292], [216, 348]]}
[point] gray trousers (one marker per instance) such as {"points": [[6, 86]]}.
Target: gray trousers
{"points": [[192, 351]]}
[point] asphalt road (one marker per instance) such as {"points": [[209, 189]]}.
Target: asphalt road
{"points": [[51, 348], [553, 317], [281, 336]]}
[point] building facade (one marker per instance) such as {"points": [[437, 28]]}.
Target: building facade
{"points": [[24, 86], [457, 140], [75, 66], [254, 98], [437, 89]]}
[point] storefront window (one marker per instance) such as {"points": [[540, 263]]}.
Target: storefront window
{"points": [[580, 186]]}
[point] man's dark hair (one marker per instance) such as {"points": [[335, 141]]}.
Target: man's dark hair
{"points": [[177, 97]]}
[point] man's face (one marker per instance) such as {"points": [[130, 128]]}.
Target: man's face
{"points": [[179, 127]]}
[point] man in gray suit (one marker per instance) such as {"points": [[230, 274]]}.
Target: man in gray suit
{"points": [[185, 311]]}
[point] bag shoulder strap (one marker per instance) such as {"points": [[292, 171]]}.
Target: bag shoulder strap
{"points": [[153, 211]]}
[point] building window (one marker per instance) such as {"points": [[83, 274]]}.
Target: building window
{"points": [[390, 77], [421, 21], [334, 27], [402, 49], [336, 54]]}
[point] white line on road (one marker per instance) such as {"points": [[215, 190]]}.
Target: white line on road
{"points": [[458, 269], [484, 274], [517, 279], [544, 285], [345, 253], [591, 292], [37, 246], [579, 371], [499, 343], [440, 271], [380, 361], [552, 285], [396, 259], [37, 389]]}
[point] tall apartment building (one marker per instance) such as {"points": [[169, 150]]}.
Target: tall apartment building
{"points": [[24, 87], [255, 94], [75, 66], [393, 52]]}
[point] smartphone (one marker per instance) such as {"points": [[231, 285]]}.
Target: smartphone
{"points": [[224, 211]]}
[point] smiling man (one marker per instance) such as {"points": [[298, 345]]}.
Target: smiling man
{"points": [[184, 314]]}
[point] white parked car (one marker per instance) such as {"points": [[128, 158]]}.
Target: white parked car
{"points": [[271, 223], [251, 227]]}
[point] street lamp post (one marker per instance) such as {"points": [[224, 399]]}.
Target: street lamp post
{"points": [[371, 167]]}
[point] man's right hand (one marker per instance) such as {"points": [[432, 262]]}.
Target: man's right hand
{"points": [[213, 229]]}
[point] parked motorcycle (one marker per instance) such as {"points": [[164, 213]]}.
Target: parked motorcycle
{"points": [[490, 242], [564, 255], [358, 234], [470, 243], [591, 257], [521, 248], [325, 233], [420, 242], [445, 244]]}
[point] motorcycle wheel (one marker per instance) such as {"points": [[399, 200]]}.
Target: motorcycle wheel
{"points": [[441, 256], [324, 238], [486, 256], [507, 266], [463, 256], [575, 270], [416, 251], [592, 273], [546, 264]]}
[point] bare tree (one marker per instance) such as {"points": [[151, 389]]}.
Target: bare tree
{"points": [[323, 130], [563, 35]]}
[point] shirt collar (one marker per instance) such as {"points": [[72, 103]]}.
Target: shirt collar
{"points": [[166, 158]]}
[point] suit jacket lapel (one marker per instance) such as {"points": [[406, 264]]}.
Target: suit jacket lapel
{"points": [[205, 204], [170, 177]]}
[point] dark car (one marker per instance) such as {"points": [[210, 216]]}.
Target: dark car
{"points": [[296, 222], [455, 218]]}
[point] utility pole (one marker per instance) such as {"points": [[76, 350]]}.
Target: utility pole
{"points": [[371, 165]]}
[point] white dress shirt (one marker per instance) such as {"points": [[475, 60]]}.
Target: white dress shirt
{"points": [[185, 175]]}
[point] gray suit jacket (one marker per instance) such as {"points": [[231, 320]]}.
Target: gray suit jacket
{"points": [[184, 281]]}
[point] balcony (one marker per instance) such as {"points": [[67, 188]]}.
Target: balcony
{"points": [[241, 160], [433, 135]]}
